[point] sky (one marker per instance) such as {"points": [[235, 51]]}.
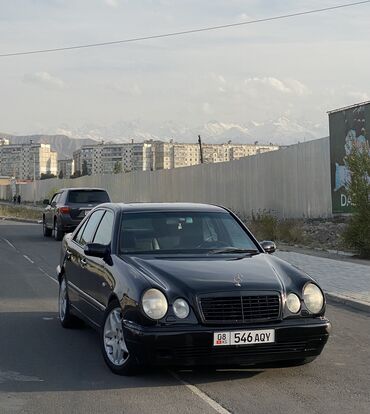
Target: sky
{"points": [[297, 68]]}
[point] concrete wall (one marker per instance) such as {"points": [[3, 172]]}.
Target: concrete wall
{"points": [[292, 182]]}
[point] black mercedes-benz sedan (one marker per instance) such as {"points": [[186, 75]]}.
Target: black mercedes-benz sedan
{"points": [[186, 285]]}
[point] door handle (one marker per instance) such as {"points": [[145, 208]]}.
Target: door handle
{"points": [[83, 262]]}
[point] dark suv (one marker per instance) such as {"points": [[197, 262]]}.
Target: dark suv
{"points": [[68, 207]]}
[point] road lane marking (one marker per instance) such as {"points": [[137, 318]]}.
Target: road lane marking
{"points": [[27, 258], [10, 244], [17, 376], [214, 404], [46, 274]]}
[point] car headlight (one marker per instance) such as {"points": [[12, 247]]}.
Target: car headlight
{"points": [[154, 304], [313, 298], [293, 303], [181, 308]]}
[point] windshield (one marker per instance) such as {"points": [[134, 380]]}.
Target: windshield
{"points": [[87, 196], [183, 232]]}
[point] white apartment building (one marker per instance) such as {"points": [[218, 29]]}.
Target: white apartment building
{"points": [[157, 155], [105, 158], [175, 155], [66, 167], [24, 161], [4, 141]]}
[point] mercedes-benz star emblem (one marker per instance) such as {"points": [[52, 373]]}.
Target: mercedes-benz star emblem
{"points": [[237, 280]]}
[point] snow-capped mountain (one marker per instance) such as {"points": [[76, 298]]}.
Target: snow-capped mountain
{"points": [[281, 131]]}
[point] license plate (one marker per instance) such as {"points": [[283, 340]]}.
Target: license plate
{"points": [[243, 337]]}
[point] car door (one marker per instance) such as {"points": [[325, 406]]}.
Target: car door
{"points": [[100, 270], [78, 267], [49, 211]]}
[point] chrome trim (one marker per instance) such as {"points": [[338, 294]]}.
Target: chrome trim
{"points": [[87, 296]]}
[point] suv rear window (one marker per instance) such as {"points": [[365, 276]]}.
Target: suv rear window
{"points": [[87, 196]]}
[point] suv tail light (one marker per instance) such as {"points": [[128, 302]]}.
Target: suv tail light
{"points": [[64, 210]]}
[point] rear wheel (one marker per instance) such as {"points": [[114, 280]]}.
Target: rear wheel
{"points": [[58, 233], [114, 348], [46, 231], [65, 316]]}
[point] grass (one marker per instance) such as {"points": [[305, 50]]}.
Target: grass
{"points": [[19, 211], [266, 226]]}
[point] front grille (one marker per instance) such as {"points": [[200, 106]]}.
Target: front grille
{"points": [[240, 309], [240, 351]]}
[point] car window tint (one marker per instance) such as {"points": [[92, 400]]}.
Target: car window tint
{"points": [[181, 231], [104, 233], [77, 237], [90, 228], [87, 196], [54, 198]]}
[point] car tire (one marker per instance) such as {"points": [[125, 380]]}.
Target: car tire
{"points": [[116, 355], [65, 316], [58, 233], [46, 231]]}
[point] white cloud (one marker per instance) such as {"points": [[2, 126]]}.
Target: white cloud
{"points": [[289, 86], [44, 79]]}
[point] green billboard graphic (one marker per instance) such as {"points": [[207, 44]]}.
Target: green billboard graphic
{"points": [[347, 127]]}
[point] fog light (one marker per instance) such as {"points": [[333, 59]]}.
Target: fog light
{"points": [[293, 303], [181, 308]]}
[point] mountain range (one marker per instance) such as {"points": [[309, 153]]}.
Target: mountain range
{"points": [[281, 131]]}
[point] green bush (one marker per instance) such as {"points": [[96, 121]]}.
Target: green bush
{"points": [[357, 234], [263, 225], [291, 231]]}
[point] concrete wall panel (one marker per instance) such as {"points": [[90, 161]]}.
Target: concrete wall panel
{"points": [[292, 182]]}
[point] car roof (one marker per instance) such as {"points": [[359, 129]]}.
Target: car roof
{"points": [[83, 189], [139, 207]]}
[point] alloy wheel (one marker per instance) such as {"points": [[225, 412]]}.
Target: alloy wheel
{"points": [[114, 341], [62, 300]]}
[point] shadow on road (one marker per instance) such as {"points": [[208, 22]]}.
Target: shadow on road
{"points": [[37, 354]]}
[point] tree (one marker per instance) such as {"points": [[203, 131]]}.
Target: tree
{"points": [[357, 235], [76, 174], [117, 169], [61, 175], [84, 168], [46, 176]]}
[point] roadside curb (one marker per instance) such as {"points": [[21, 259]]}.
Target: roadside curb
{"points": [[335, 298], [21, 220]]}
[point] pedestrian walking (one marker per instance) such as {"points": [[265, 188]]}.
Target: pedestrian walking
{"points": [[19, 199], [14, 199]]}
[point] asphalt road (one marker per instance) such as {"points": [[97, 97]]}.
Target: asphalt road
{"points": [[47, 369]]}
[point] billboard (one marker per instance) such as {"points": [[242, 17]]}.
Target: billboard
{"points": [[347, 126]]}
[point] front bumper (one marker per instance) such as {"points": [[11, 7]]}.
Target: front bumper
{"points": [[185, 346]]}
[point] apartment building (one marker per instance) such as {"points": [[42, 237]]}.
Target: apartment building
{"points": [[24, 161], [174, 155], [66, 167], [108, 158], [4, 141], [157, 155]]}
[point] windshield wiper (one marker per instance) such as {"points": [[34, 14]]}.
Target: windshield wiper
{"points": [[233, 250]]}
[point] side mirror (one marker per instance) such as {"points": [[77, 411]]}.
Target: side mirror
{"points": [[268, 246], [97, 250], [45, 202]]}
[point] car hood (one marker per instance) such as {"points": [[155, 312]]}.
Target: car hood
{"points": [[196, 275]]}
